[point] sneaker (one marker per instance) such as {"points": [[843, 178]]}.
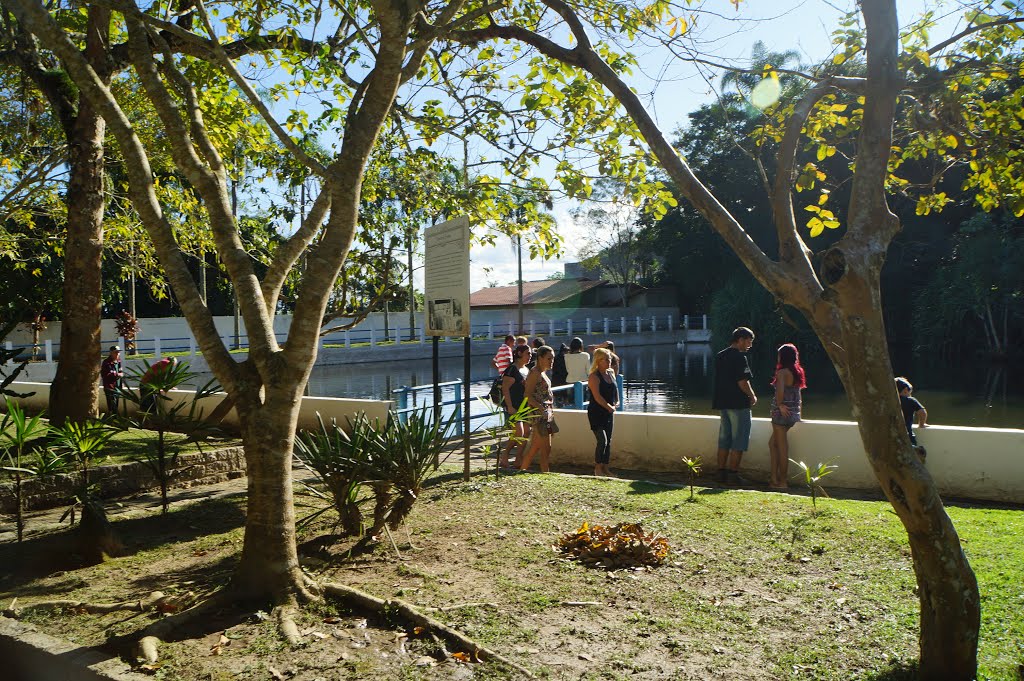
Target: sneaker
{"points": [[736, 480], [722, 476]]}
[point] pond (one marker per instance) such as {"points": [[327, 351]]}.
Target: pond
{"points": [[678, 380]]}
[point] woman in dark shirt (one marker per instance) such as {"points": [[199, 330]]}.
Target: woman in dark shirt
{"points": [[604, 398], [513, 392]]}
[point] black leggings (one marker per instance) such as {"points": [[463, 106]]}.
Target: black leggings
{"points": [[603, 451]]}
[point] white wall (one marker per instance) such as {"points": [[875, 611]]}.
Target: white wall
{"points": [[328, 407], [969, 463], [974, 463]]}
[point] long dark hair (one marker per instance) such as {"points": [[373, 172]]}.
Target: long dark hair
{"points": [[789, 358]]}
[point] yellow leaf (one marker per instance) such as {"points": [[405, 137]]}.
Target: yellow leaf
{"points": [[951, 141], [838, 59]]}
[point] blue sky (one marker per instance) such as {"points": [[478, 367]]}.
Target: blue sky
{"points": [[673, 89]]}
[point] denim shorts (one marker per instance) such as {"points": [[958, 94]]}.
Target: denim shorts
{"points": [[734, 430]]}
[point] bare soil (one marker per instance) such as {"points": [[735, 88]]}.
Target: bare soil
{"points": [[756, 586]]}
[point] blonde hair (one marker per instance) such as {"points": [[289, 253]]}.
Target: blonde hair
{"points": [[598, 354], [521, 340]]}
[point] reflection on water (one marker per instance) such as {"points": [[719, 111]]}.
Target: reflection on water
{"points": [[672, 380]]}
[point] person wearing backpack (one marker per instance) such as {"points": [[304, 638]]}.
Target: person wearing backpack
{"points": [[513, 391]]}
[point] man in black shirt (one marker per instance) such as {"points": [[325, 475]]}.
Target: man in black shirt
{"points": [[733, 397]]}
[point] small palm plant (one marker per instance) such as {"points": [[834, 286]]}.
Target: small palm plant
{"points": [[82, 443], [16, 433], [411, 447], [813, 476], [175, 422], [504, 428], [694, 468], [342, 462]]}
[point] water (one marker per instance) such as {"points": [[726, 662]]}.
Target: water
{"points": [[670, 380]]}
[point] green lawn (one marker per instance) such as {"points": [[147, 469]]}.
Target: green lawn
{"points": [[756, 586]]}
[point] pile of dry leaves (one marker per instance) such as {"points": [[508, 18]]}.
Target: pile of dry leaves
{"points": [[625, 545]]}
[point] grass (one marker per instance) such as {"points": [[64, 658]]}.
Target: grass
{"points": [[756, 586], [125, 445]]}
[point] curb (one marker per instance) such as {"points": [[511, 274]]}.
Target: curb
{"points": [[31, 655]]}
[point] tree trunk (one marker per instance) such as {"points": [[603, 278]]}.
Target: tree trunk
{"points": [[74, 393], [947, 588], [269, 566]]}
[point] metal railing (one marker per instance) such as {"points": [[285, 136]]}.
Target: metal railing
{"points": [[404, 393]]}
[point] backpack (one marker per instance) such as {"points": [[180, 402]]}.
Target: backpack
{"points": [[559, 372], [495, 393]]}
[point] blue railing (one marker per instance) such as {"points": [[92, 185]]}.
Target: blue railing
{"points": [[404, 393]]}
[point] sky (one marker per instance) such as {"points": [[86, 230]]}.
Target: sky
{"points": [[673, 89]]}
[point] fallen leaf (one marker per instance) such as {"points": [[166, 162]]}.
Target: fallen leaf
{"points": [[418, 630], [361, 624], [332, 620], [584, 656], [461, 657], [425, 661], [278, 676], [318, 634]]}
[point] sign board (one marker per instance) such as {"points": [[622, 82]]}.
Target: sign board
{"points": [[446, 278]]}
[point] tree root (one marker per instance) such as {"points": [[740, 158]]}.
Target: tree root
{"points": [[156, 600], [150, 638], [284, 615], [460, 606], [417, 617]]}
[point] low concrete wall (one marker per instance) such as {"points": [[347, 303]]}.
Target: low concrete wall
{"points": [[328, 407], [30, 655], [972, 463], [191, 470]]}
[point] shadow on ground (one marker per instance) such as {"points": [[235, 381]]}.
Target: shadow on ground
{"points": [[45, 554]]}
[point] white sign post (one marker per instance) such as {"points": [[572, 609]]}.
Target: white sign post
{"points": [[446, 278]]}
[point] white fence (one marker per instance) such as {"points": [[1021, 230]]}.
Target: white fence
{"points": [[172, 335]]}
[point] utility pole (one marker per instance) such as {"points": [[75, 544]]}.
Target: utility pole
{"points": [[412, 290], [519, 251]]}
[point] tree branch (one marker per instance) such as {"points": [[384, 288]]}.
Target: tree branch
{"points": [[974, 29], [792, 249], [288, 253], [141, 184]]}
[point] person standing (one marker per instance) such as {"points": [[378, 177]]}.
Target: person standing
{"points": [[604, 399], [538, 396], [911, 408], [513, 392], [734, 398], [789, 380], [535, 345], [111, 374], [503, 358], [610, 347], [577, 362]]}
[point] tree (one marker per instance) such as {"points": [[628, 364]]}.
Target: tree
{"points": [[837, 290], [615, 245], [365, 76]]}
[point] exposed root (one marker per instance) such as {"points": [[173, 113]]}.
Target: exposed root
{"points": [[150, 638], [417, 617], [284, 615], [460, 606], [156, 600]]}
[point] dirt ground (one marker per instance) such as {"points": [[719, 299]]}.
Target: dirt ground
{"points": [[755, 587]]}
